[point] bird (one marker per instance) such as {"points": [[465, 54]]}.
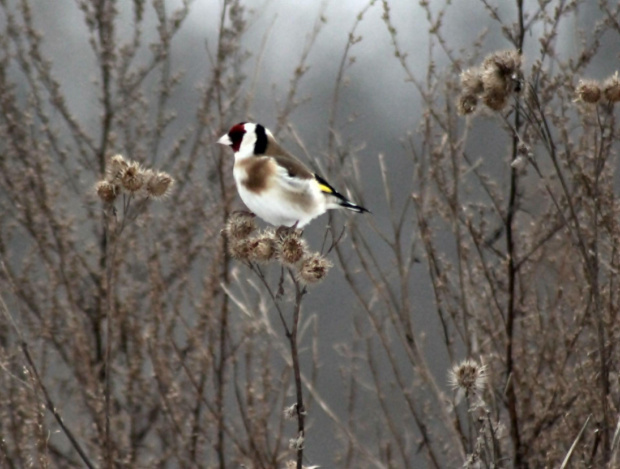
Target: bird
{"points": [[275, 185]]}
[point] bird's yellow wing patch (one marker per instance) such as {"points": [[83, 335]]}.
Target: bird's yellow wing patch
{"points": [[324, 185], [324, 188]]}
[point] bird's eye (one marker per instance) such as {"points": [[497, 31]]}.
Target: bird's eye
{"points": [[236, 135]]}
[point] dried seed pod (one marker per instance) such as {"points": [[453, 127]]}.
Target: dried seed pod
{"points": [[495, 98], [313, 269], [240, 248], [588, 91], [611, 88], [107, 191], [116, 168], [133, 177], [471, 81], [468, 376], [158, 184], [291, 247], [263, 247], [466, 104], [240, 225]]}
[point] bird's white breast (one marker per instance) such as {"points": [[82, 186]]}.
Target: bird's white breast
{"points": [[281, 202]]}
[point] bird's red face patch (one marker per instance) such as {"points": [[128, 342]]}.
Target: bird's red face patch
{"points": [[236, 134]]}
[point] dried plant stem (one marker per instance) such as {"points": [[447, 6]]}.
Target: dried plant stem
{"points": [[110, 254], [292, 337], [574, 445], [512, 298], [223, 334], [220, 371], [52, 408], [105, 18], [48, 400], [220, 378], [512, 271]]}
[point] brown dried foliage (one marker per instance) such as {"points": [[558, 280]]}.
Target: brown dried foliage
{"points": [[130, 338]]}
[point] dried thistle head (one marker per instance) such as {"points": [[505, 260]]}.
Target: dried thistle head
{"points": [[240, 248], [468, 376], [313, 269], [494, 80], [158, 184], [495, 98], [498, 77], [263, 247], [588, 91], [133, 177], [239, 225], [471, 87], [291, 248], [505, 63], [116, 168], [471, 81], [501, 75], [611, 88], [107, 191], [466, 104]]}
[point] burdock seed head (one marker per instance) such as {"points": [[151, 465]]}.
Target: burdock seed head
{"points": [[501, 75], [291, 247], [505, 63], [468, 376], [240, 248], [107, 191], [495, 98], [471, 87], [129, 177], [116, 168], [263, 247], [239, 225], [313, 269], [466, 104], [611, 88], [588, 91], [158, 184], [471, 81], [133, 177]]}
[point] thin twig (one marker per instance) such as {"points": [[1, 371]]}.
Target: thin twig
{"points": [[52, 408], [300, 291], [574, 445]]}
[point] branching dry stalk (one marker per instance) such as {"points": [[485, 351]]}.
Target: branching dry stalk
{"points": [[49, 403], [292, 336], [301, 267]]}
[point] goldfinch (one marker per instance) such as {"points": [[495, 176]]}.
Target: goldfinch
{"points": [[274, 184]]}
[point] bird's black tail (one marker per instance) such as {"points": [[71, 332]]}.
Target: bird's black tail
{"points": [[350, 205]]}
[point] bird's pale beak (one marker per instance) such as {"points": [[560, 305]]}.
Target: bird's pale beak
{"points": [[225, 140]]}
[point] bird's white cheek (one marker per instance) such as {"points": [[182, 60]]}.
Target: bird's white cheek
{"points": [[246, 149]]}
